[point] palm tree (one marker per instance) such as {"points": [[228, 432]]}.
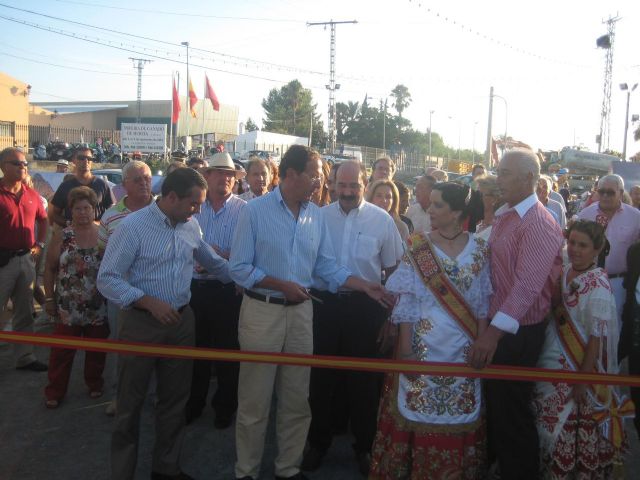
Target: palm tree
{"points": [[402, 98]]}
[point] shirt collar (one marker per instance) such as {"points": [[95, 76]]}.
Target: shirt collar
{"points": [[358, 209], [155, 209], [618, 210], [278, 195], [521, 208]]}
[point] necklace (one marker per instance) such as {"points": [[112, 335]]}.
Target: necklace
{"points": [[450, 238], [583, 269]]}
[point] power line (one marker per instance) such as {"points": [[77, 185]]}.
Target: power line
{"points": [[470, 30], [78, 68], [182, 14], [142, 37]]}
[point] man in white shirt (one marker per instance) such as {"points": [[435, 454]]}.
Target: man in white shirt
{"points": [[366, 242], [417, 212], [258, 177]]}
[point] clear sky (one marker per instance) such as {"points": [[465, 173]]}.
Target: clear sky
{"points": [[540, 56]]}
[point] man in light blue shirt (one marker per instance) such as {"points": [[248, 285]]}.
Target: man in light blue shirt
{"points": [[216, 304], [281, 243], [146, 271]]}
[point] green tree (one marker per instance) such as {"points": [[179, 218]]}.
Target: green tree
{"points": [[402, 98], [250, 126], [290, 109]]}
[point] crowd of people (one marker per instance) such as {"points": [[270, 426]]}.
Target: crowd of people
{"points": [[312, 258]]}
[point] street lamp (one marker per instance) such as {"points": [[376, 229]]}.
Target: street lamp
{"points": [[453, 118], [188, 139], [384, 120], [625, 87]]}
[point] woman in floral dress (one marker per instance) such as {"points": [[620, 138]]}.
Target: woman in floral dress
{"points": [[581, 426], [73, 299], [431, 427]]}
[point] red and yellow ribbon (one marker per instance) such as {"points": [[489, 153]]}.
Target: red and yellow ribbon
{"points": [[496, 372]]}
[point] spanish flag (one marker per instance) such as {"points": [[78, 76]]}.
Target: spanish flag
{"points": [[192, 100], [210, 94]]}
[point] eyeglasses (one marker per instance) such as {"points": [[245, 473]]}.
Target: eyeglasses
{"points": [[86, 158], [317, 179], [17, 163], [603, 192]]}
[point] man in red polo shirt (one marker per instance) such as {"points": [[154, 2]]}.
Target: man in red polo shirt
{"points": [[20, 209]]}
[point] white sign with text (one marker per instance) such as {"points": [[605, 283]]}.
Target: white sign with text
{"points": [[143, 137]]}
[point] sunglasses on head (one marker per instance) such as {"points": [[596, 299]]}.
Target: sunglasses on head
{"points": [[18, 163], [604, 192]]}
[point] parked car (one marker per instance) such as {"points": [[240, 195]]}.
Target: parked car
{"points": [[113, 175]]}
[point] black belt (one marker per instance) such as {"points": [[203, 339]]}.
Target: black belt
{"points": [[270, 299], [16, 253], [203, 282], [180, 310], [617, 275]]}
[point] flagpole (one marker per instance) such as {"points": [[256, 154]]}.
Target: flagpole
{"points": [[173, 86], [204, 110], [186, 44]]}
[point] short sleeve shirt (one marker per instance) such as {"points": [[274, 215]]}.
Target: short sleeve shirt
{"points": [[18, 218], [98, 185]]}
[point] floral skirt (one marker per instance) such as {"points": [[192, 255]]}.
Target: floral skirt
{"points": [[407, 450], [578, 450]]}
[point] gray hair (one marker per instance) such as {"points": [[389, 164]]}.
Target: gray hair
{"points": [[612, 177], [527, 163], [490, 182], [133, 165], [549, 182], [8, 152]]}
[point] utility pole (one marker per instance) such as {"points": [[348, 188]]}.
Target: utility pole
{"points": [[333, 86], [487, 155], [606, 42], [139, 67]]}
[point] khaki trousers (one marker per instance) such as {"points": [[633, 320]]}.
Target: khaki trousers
{"points": [[268, 327], [174, 384], [16, 283]]}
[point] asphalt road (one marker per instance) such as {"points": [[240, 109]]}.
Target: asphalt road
{"points": [[73, 441]]}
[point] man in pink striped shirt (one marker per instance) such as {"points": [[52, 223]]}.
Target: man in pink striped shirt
{"points": [[526, 261]]}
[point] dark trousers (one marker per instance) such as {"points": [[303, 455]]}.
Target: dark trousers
{"points": [[216, 307], [634, 360], [172, 389], [345, 325], [61, 361], [513, 438]]}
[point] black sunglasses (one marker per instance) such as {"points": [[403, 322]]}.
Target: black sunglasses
{"points": [[84, 157]]}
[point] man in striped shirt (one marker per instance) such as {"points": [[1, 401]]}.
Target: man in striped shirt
{"points": [[216, 304], [281, 243], [526, 245], [146, 271], [136, 181]]}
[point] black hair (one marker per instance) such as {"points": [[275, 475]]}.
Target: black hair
{"points": [[181, 181], [456, 196], [296, 157]]}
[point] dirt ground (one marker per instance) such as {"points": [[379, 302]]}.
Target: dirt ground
{"points": [[73, 441]]}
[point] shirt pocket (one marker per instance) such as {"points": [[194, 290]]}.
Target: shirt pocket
{"points": [[365, 248]]}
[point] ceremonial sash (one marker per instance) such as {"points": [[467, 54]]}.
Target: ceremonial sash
{"points": [[609, 415], [427, 264]]}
